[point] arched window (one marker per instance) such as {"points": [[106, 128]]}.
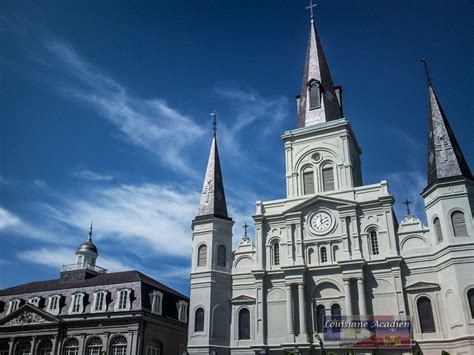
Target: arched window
{"points": [[94, 346], [374, 243], [221, 255], [199, 320], [335, 310], [328, 177], [118, 346], [437, 230], [25, 348], [310, 255], [425, 313], [320, 314], [276, 253], [244, 324], [470, 300], [308, 182], [459, 224], [155, 348], [324, 255], [45, 347], [314, 94], [71, 347], [202, 255]]}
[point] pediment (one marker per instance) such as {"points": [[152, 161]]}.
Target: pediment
{"points": [[243, 299], [340, 203], [28, 315], [422, 286]]}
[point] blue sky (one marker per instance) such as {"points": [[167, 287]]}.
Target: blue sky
{"points": [[105, 114]]}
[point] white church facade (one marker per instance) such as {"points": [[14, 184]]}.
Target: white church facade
{"points": [[333, 246]]}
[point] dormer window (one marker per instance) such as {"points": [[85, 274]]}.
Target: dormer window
{"points": [[34, 301], [157, 302], [182, 311], [77, 303], [314, 91], [13, 305], [53, 304], [99, 304], [122, 303]]}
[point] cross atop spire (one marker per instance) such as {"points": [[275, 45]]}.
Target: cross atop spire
{"points": [[407, 203], [214, 123], [318, 101], [245, 227], [445, 158], [213, 201], [310, 8]]}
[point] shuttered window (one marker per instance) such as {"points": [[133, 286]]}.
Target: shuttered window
{"points": [[437, 229], [308, 182], [425, 313], [374, 243], [324, 255], [328, 178], [244, 324], [202, 255], [221, 255], [199, 320], [314, 95], [459, 224]]}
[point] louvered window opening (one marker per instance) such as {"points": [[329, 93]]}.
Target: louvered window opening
{"points": [[425, 314], [221, 255], [437, 228], [328, 179], [324, 255], [459, 224], [308, 182], [202, 255], [314, 95]]}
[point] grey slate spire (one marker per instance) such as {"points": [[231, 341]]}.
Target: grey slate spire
{"points": [[213, 197], [316, 70], [445, 158]]}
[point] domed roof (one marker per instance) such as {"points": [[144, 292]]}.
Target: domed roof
{"points": [[88, 246]]}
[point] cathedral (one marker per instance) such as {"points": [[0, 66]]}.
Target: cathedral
{"points": [[332, 248]]}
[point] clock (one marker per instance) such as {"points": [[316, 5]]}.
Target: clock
{"points": [[321, 221]]}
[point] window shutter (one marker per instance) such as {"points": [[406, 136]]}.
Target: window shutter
{"points": [[328, 179], [221, 255], [308, 182], [314, 95], [202, 255], [459, 224], [437, 228]]}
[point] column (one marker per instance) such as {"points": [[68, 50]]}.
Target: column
{"points": [[361, 292], [33, 344], [289, 310], [12, 346], [347, 292], [54, 340], [302, 308]]}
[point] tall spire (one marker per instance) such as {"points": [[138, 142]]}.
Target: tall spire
{"points": [[213, 197], [445, 158], [323, 105]]}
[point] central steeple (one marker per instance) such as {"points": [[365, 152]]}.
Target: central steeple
{"points": [[318, 101]]}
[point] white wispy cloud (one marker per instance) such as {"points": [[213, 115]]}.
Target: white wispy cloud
{"points": [[91, 175], [8, 219], [148, 123], [54, 257], [155, 218]]}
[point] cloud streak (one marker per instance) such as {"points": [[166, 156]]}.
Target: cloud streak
{"points": [[149, 123]]}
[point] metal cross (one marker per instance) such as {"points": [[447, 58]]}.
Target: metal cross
{"points": [[245, 226], [310, 7], [408, 205], [214, 122]]}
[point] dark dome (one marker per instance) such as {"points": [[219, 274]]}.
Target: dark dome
{"points": [[88, 247]]}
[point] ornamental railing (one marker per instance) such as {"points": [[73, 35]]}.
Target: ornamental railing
{"points": [[83, 266]]}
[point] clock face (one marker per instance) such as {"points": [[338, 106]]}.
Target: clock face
{"points": [[321, 222]]}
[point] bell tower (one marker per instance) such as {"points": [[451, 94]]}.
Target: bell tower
{"points": [[211, 279]]}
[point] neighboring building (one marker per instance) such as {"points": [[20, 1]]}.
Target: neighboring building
{"points": [[333, 245], [89, 311]]}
